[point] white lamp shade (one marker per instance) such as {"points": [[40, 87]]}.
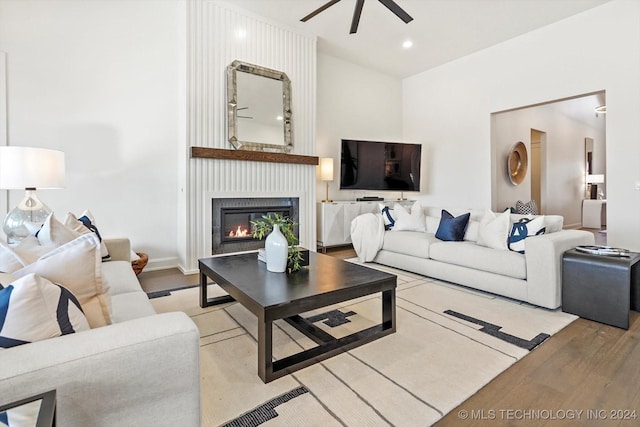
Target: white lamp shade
{"points": [[595, 179], [326, 169], [27, 167]]}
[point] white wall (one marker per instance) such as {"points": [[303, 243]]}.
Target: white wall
{"points": [[563, 180], [449, 108], [358, 103], [99, 81]]}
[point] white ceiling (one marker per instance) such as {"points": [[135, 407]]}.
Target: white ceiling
{"points": [[441, 31]]}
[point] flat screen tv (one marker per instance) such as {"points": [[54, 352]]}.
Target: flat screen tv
{"points": [[372, 165]]}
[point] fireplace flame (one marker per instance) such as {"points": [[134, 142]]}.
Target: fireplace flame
{"points": [[239, 232]]}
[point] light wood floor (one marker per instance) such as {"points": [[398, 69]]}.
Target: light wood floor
{"points": [[588, 367]]}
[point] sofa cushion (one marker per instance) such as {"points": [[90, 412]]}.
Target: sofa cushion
{"points": [[130, 306], [408, 243], [119, 277], [405, 221], [34, 309], [452, 228], [77, 266], [468, 254]]}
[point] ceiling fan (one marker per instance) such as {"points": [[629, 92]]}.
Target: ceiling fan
{"points": [[390, 4]]}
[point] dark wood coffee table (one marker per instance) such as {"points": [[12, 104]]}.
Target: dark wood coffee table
{"points": [[272, 296]]}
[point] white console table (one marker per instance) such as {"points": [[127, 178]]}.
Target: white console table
{"points": [[334, 221], [594, 213]]}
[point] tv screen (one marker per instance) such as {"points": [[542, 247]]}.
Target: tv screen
{"points": [[372, 165]]}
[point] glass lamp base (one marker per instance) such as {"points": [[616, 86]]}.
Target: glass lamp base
{"points": [[26, 218]]}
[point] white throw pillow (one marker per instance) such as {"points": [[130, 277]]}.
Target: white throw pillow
{"points": [[494, 229], [77, 266], [34, 309], [405, 221], [80, 227], [10, 260], [53, 232]]}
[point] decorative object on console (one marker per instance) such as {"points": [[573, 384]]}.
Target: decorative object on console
{"points": [[517, 163], [294, 256], [27, 168], [326, 174], [603, 250], [593, 181], [452, 228]]}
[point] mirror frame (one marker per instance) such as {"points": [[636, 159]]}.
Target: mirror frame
{"points": [[232, 105]]}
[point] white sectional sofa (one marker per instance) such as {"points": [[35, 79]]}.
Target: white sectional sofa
{"points": [[141, 370], [534, 277]]}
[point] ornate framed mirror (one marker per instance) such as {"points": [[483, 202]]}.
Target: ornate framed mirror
{"points": [[258, 108]]}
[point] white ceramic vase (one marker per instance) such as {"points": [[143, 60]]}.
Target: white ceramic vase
{"points": [[276, 250]]}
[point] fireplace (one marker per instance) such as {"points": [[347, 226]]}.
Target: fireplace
{"points": [[231, 221], [235, 223]]}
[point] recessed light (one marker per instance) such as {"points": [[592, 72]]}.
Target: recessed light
{"points": [[407, 44], [279, 118]]}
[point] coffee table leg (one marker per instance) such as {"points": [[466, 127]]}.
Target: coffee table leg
{"points": [[203, 290], [206, 301], [389, 310], [265, 349]]}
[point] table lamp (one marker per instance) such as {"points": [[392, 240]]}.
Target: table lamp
{"points": [[29, 169], [326, 174]]}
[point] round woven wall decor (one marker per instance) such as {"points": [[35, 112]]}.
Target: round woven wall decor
{"points": [[517, 163]]}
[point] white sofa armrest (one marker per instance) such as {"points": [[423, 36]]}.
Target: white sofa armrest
{"points": [[141, 372], [543, 255], [119, 248]]}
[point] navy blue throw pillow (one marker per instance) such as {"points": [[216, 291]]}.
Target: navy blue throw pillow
{"points": [[451, 229]]}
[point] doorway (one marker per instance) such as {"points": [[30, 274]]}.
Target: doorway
{"points": [[537, 159]]}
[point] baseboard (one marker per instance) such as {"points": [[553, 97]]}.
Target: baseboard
{"points": [[186, 272], [161, 264]]}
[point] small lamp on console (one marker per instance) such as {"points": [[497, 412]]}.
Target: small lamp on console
{"points": [[29, 168], [326, 174]]}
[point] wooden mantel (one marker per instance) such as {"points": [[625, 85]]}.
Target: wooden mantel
{"points": [[255, 156]]}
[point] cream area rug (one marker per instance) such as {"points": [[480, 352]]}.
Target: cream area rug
{"points": [[450, 342]]}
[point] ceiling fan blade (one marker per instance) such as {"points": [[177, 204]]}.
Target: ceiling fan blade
{"points": [[320, 9], [399, 12], [356, 17]]}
